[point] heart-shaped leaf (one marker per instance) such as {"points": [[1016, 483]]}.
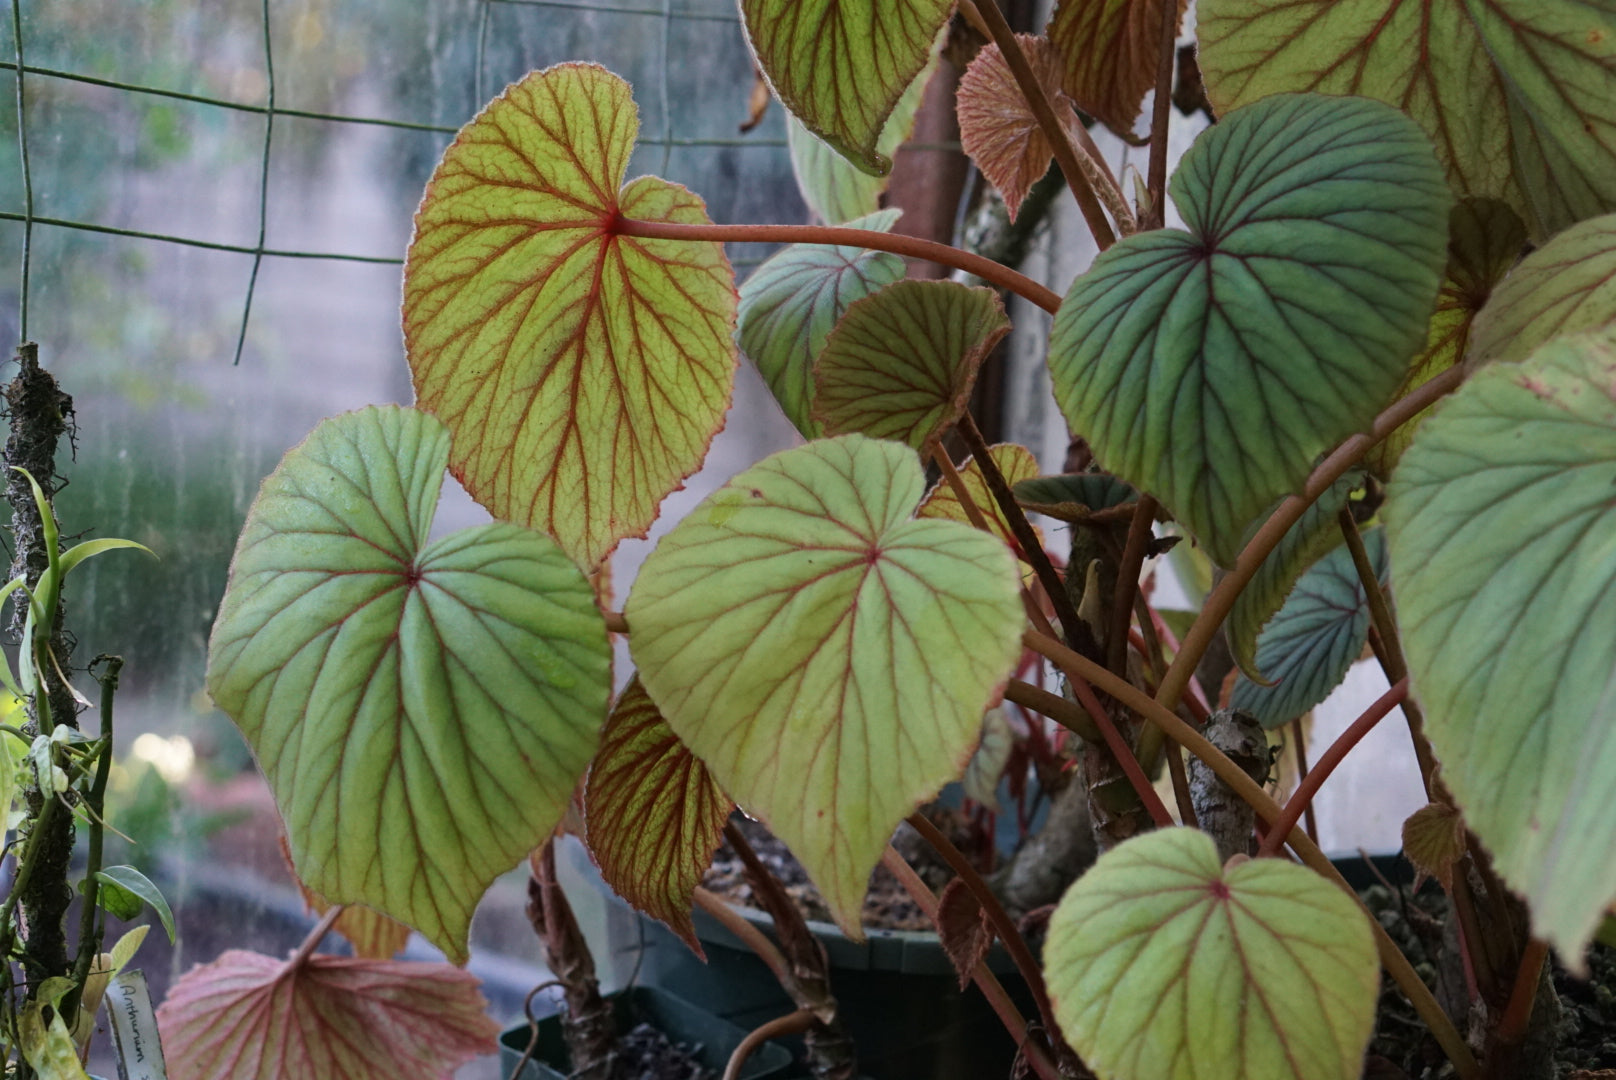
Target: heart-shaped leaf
{"points": [[421, 711], [1308, 646], [1110, 48], [1519, 96], [1164, 965], [652, 812], [1212, 367], [1502, 517], [1564, 287], [827, 656], [329, 1016], [997, 126], [790, 304], [901, 363], [836, 190], [1485, 238], [1434, 841], [1313, 535], [582, 373], [841, 65]]}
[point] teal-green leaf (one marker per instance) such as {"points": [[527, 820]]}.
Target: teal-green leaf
{"points": [[1164, 965], [1308, 646], [1502, 519], [791, 303], [423, 711], [1074, 497], [1211, 367], [826, 654], [1315, 533]]}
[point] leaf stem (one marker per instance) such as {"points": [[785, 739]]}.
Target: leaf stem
{"points": [[1161, 111], [1077, 178], [312, 942], [985, 980], [750, 935], [1518, 1013], [89, 940], [1299, 739], [1396, 964], [790, 1024], [1349, 453], [1003, 925], [910, 246], [1316, 776], [1133, 560]]}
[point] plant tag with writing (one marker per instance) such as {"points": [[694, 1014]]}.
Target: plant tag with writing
{"points": [[134, 1028]]}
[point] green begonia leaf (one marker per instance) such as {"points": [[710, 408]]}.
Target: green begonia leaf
{"points": [[1212, 367], [1502, 518], [1303, 544], [1567, 286], [790, 304], [826, 655], [1164, 965], [582, 373], [1519, 96], [422, 711], [836, 190], [652, 813], [1485, 238], [840, 66], [901, 363], [1074, 497], [1308, 646]]}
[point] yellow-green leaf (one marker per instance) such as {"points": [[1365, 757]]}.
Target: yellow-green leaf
{"points": [[841, 65], [1564, 287], [1164, 965], [1518, 96], [582, 372], [826, 655]]}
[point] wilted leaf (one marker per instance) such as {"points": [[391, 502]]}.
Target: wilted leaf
{"points": [[1519, 96], [1110, 49], [1314, 535], [1212, 367], [48, 1046], [1567, 286], [252, 1017], [997, 127], [422, 711], [901, 362], [581, 372], [1502, 523], [963, 929], [790, 304], [1165, 966], [1434, 841], [841, 65], [1485, 238], [653, 815], [1308, 647], [828, 657]]}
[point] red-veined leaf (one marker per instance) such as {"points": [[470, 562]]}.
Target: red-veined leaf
{"points": [[1016, 463], [252, 1017], [826, 655], [997, 127], [841, 65], [1518, 96], [582, 373], [1566, 286], [1110, 49], [373, 935], [902, 362], [653, 815]]}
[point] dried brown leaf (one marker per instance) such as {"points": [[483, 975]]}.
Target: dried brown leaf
{"points": [[963, 928]]}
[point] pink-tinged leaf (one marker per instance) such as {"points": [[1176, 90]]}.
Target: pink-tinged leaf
{"points": [[997, 127], [902, 362], [1110, 49], [826, 655], [1434, 841], [840, 66], [252, 1017], [963, 929], [1016, 463], [653, 814], [582, 373]]}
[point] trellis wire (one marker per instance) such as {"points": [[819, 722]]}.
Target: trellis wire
{"points": [[270, 110]]}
